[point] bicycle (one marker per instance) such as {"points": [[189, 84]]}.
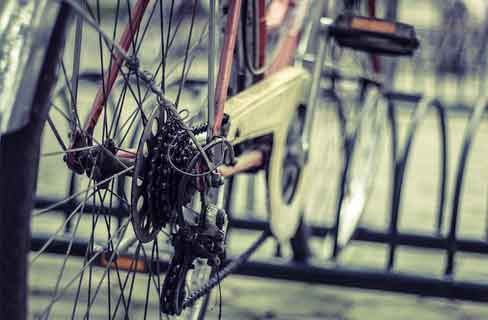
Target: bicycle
{"points": [[178, 165]]}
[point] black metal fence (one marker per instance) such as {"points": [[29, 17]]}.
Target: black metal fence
{"points": [[449, 54]]}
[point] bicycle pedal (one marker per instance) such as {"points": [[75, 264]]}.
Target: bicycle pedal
{"points": [[374, 35]]}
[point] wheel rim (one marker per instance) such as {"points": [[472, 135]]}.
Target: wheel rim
{"points": [[293, 159], [362, 168]]}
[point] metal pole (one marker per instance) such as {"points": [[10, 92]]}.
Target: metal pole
{"points": [[314, 90], [212, 62]]}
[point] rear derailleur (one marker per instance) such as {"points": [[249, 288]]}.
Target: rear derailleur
{"points": [[170, 178], [192, 242]]}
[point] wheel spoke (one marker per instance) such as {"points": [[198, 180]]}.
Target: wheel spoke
{"points": [[82, 270], [117, 113], [106, 270], [75, 120], [102, 71], [56, 133], [61, 112], [188, 42], [70, 245], [55, 234], [65, 151], [67, 199]]}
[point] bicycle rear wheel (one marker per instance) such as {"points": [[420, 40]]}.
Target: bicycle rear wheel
{"points": [[99, 267]]}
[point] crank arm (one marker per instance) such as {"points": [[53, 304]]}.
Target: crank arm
{"points": [[248, 161]]}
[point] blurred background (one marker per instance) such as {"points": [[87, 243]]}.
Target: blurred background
{"points": [[451, 66]]}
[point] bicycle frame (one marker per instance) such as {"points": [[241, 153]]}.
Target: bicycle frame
{"points": [[286, 47], [288, 91], [104, 90]]}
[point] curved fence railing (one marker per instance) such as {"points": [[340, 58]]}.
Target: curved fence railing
{"points": [[449, 244]]}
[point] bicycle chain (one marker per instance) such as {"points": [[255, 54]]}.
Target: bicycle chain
{"points": [[219, 276], [200, 128], [189, 245], [173, 291]]}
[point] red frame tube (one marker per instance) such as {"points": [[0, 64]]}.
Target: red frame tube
{"points": [[263, 33], [104, 90], [286, 47], [226, 58]]}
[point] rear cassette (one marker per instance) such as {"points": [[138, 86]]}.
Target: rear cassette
{"points": [[154, 197]]}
